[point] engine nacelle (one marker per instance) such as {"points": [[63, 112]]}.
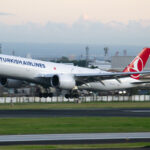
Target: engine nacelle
{"points": [[63, 81], [10, 83]]}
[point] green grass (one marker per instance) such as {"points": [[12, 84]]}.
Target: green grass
{"points": [[77, 146], [73, 125], [75, 105]]}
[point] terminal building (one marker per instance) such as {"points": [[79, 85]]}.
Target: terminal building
{"points": [[101, 64], [118, 63]]}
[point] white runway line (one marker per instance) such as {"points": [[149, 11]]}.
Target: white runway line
{"points": [[142, 111], [81, 136]]}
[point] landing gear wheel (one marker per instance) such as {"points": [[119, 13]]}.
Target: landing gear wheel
{"points": [[45, 95], [50, 94], [76, 95], [72, 96], [40, 95], [67, 96]]}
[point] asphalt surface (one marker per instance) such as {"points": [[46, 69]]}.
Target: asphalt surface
{"points": [[76, 113], [92, 138]]}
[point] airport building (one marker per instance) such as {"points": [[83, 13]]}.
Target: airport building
{"points": [[101, 64], [120, 62]]}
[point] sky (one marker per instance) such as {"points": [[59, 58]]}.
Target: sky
{"points": [[76, 21], [68, 11]]}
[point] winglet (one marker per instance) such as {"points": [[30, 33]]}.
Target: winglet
{"points": [[138, 63]]}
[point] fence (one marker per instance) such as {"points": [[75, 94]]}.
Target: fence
{"points": [[133, 98]]}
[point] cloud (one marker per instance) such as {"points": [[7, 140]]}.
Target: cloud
{"points": [[82, 31], [6, 14]]}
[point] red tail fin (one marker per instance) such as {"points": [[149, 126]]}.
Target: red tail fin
{"points": [[138, 63]]}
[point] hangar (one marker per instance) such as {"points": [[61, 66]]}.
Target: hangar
{"points": [[120, 62]]}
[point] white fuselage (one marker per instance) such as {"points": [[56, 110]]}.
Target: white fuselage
{"points": [[29, 69], [111, 84]]}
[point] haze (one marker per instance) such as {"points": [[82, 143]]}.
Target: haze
{"points": [[119, 22]]}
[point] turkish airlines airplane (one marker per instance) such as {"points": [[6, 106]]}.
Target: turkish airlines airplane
{"points": [[15, 70]]}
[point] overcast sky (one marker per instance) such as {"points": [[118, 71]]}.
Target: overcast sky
{"points": [[68, 11], [81, 21]]}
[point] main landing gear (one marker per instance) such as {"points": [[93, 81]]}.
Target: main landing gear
{"points": [[44, 92], [45, 95], [72, 94]]}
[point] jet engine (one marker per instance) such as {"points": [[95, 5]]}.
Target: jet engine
{"points": [[63, 81], [10, 83]]}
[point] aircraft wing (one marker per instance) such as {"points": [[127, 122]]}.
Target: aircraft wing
{"points": [[110, 75], [92, 77]]}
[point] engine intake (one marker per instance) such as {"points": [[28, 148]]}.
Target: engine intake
{"points": [[3, 81], [11, 83], [63, 81]]}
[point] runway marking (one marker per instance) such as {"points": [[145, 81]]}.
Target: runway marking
{"points": [[137, 111]]}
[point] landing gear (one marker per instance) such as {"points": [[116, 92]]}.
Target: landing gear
{"points": [[45, 95], [45, 92], [72, 94]]}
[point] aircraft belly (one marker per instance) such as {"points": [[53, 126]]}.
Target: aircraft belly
{"points": [[112, 84]]}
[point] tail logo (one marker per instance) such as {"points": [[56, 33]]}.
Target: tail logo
{"points": [[136, 66]]}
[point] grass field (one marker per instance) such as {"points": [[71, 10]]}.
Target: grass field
{"points": [[83, 146], [52, 125], [75, 105], [73, 125]]}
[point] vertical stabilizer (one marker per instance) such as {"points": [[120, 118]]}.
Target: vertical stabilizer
{"points": [[138, 63]]}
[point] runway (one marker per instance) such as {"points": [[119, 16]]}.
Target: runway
{"points": [[82, 138], [76, 113]]}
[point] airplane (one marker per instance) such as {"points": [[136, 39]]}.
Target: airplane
{"points": [[14, 71]]}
